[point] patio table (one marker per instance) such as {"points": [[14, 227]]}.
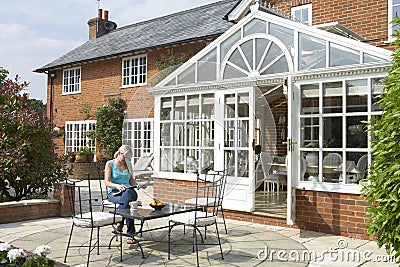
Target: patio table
{"points": [[144, 214]]}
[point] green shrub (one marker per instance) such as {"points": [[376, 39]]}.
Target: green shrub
{"points": [[28, 163], [384, 189]]}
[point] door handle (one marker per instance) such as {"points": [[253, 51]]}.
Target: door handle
{"points": [[290, 144]]}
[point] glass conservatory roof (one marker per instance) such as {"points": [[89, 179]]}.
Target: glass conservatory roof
{"points": [[265, 44]]}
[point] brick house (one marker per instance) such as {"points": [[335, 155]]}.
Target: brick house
{"points": [[276, 92]]}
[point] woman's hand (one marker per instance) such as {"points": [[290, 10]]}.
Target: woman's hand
{"points": [[120, 187]]}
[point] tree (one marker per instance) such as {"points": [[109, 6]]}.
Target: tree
{"points": [[109, 123], [28, 163], [384, 176]]}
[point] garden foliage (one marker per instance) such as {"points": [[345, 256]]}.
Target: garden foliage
{"points": [[27, 162], [384, 189]]}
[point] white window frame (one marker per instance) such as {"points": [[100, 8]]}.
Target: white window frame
{"points": [[341, 186], [140, 71], [390, 18], [75, 138], [139, 135], [301, 8], [71, 81]]}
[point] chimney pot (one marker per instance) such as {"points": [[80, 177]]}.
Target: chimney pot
{"points": [[100, 13], [106, 15]]}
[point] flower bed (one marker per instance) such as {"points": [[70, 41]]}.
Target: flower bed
{"points": [[17, 257]]}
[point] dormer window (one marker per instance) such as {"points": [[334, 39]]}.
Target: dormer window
{"points": [[134, 71], [71, 81], [303, 13]]}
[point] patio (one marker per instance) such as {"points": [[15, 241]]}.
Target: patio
{"points": [[244, 245]]}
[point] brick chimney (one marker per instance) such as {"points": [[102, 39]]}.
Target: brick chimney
{"points": [[100, 25]]}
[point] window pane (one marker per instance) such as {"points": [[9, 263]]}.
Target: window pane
{"points": [[332, 95], [284, 34], [237, 59], [273, 52], [166, 107], [227, 44], [193, 107], [377, 89], [231, 72], [312, 163], [229, 133], [243, 105], [207, 67], [207, 106], [207, 134], [193, 134], [331, 166], [179, 108], [230, 106], [247, 49], [356, 96], [279, 66], [178, 135], [255, 26], [332, 132], [309, 98], [310, 132], [356, 132], [370, 58], [340, 55], [165, 133], [243, 133], [187, 76], [312, 52], [166, 159]]}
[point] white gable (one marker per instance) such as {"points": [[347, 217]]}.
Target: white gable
{"points": [[265, 44]]}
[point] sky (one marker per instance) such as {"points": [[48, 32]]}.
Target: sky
{"points": [[36, 32]]}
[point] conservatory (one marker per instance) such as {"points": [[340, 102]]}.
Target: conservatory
{"points": [[271, 86]]}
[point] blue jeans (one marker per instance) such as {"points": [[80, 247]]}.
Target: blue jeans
{"points": [[123, 199]]}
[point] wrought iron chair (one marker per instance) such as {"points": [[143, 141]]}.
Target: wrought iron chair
{"points": [[87, 212], [209, 188], [209, 201]]}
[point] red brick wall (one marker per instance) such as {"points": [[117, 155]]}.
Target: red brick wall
{"points": [[333, 213], [326, 212], [103, 78], [367, 18]]}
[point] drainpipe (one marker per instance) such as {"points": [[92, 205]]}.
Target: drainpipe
{"points": [[52, 75]]}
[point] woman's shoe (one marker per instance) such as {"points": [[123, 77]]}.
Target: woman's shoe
{"points": [[117, 229], [131, 241]]}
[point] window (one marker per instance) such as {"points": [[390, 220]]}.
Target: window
{"points": [[134, 71], [187, 133], [76, 135], [334, 140], [138, 134], [303, 13], [394, 10], [71, 81]]}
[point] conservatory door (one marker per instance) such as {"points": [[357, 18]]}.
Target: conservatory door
{"points": [[237, 148]]}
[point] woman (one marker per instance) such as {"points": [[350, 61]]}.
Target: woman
{"points": [[118, 177]]}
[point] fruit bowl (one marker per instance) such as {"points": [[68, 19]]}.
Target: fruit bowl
{"points": [[158, 207]]}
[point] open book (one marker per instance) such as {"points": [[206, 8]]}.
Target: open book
{"points": [[138, 186]]}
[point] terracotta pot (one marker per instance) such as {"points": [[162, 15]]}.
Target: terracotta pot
{"points": [[80, 158]]}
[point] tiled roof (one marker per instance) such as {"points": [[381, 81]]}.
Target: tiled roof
{"points": [[193, 24]]}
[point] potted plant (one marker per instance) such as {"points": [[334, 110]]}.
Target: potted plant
{"points": [[71, 155], [84, 154]]}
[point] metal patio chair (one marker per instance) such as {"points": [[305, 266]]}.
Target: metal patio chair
{"points": [[211, 188], [87, 212]]}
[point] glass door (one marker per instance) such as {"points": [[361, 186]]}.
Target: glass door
{"points": [[237, 122]]}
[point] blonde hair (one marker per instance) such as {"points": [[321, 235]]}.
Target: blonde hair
{"points": [[124, 150], [127, 152]]}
